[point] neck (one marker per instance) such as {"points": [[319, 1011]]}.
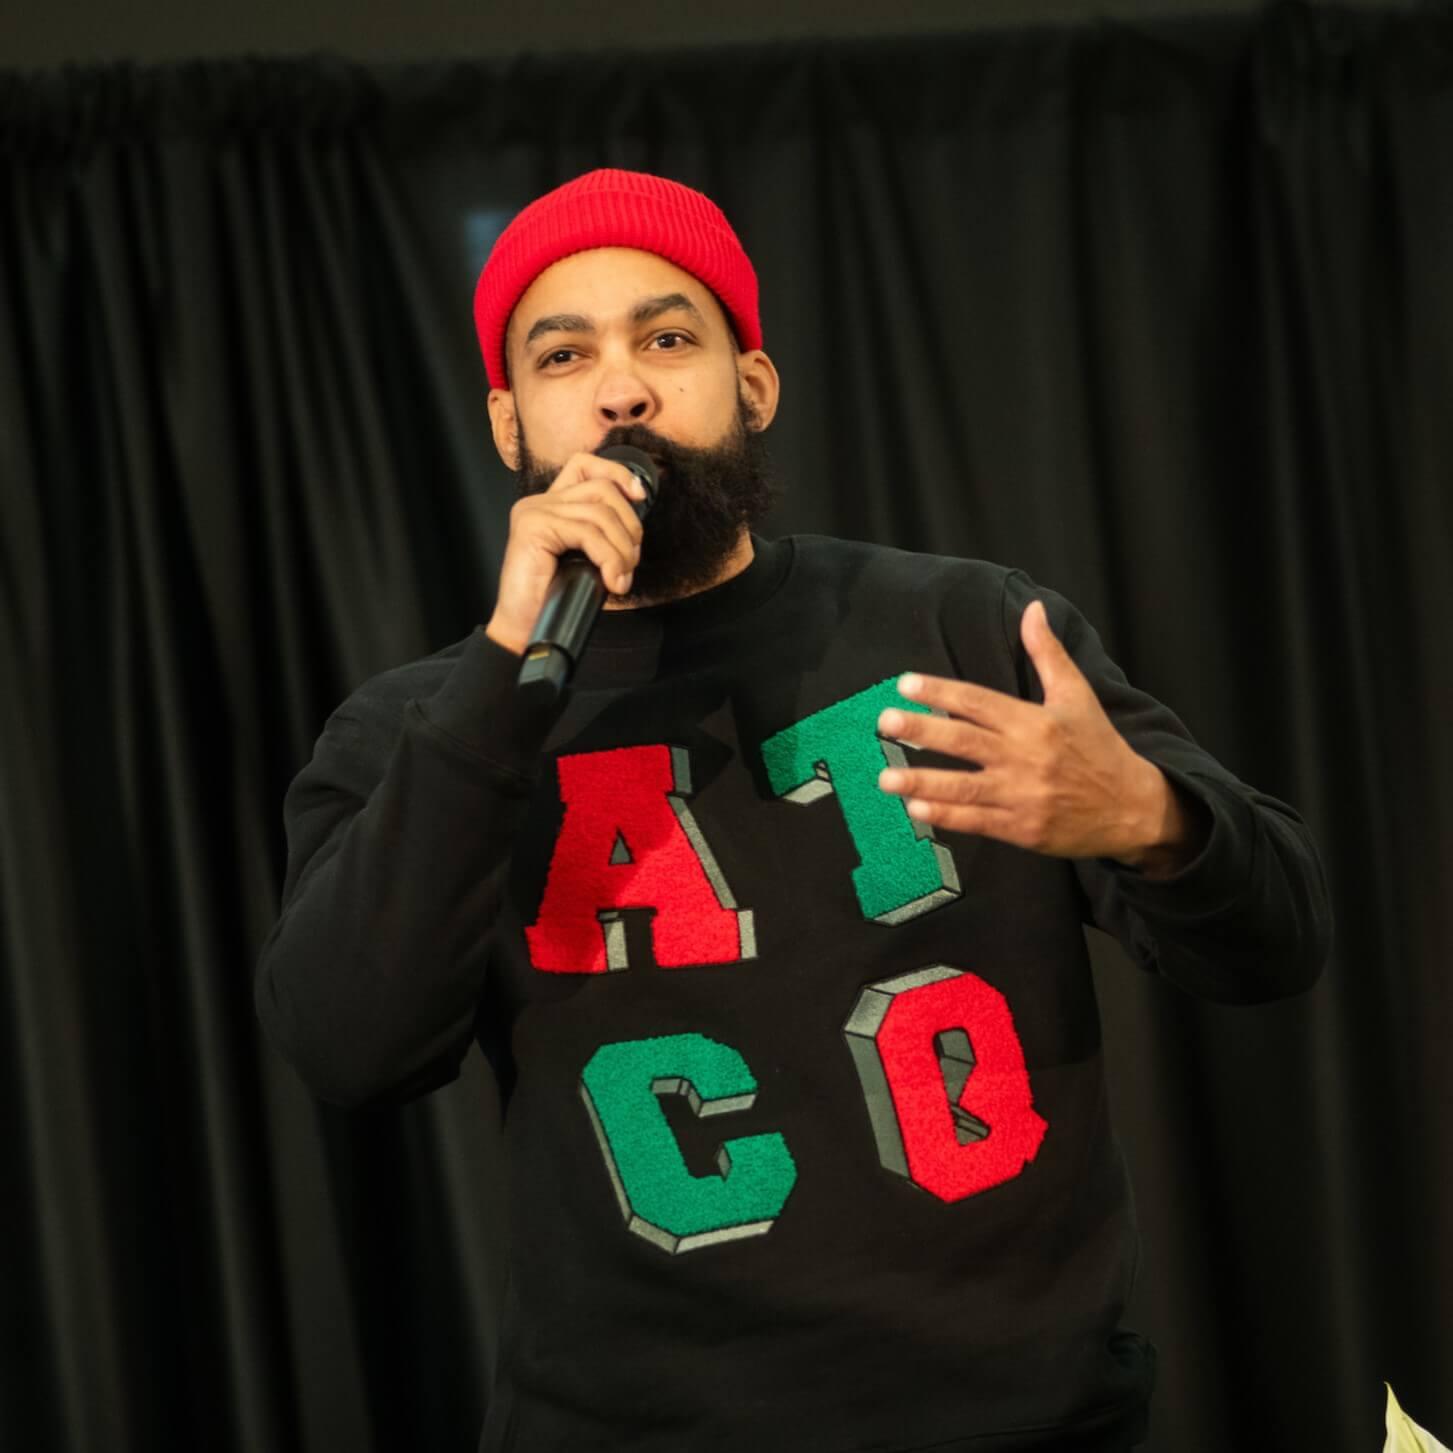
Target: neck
{"points": [[734, 564]]}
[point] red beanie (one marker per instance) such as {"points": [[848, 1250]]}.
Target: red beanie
{"points": [[612, 208]]}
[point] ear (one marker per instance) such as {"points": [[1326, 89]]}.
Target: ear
{"points": [[504, 424], [757, 378]]}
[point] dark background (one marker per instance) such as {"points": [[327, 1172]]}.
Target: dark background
{"points": [[1156, 308], [157, 30]]}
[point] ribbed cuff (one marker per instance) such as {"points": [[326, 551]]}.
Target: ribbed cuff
{"points": [[1214, 880], [480, 707]]}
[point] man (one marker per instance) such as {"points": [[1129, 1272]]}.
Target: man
{"points": [[773, 930]]}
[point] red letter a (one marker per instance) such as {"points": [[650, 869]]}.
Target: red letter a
{"points": [[629, 841]]}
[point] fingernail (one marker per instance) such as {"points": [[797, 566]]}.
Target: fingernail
{"points": [[890, 779], [890, 721], [910, 685], [917, 807]]}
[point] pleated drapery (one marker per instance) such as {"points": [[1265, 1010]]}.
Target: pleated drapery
{"points": [[1160, 313]]}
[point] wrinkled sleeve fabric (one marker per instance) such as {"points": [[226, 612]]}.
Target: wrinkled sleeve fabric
{"points": [[1248, 919], [399, 832]]}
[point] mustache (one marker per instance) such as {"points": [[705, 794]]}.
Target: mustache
{"points": [[665, 454], [668, 456], [684, 461]]}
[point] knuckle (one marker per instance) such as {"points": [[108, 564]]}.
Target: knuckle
{"points": [[1037, 826], [961, 739]]}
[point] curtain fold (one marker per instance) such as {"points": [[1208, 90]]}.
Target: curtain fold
{"points": [[1158, 312]]}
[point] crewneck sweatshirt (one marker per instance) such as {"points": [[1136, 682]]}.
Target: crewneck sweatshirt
{"points": [[804, 1102]]}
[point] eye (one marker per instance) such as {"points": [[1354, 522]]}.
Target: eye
{"points": [[554, 353], [680, 337]]}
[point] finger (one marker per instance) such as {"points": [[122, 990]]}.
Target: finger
{"points": [[994, 822], [580, 467], [598, 516], [590, 533], [553, 514], [1058, 673], [993, 710], [602, 492], [953, 737], [945, 786]]}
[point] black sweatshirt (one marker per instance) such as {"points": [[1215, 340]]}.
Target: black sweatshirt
{"points": [[805, 1106]]}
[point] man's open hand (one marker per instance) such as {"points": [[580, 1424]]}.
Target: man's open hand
{"points": [[1057, 778]]}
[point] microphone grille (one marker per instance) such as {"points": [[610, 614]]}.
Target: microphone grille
{"points": [[637, 461]]}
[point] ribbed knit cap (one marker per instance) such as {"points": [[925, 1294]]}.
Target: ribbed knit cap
{"points": [[613, 208]]}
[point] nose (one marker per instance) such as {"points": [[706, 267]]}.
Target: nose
{"points": [[624, 398]]}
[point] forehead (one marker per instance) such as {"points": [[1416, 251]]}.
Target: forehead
{"points": [[604, 284]]}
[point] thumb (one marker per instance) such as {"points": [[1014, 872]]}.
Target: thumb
{"points": [[1058, 673]]}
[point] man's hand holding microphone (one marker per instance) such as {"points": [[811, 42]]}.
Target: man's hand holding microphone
{"points": [[567, 548]]}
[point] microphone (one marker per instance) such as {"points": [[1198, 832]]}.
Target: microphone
{"points": [[576, 593]]}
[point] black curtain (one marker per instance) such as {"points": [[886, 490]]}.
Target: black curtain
{"points": [[1159, 312]]}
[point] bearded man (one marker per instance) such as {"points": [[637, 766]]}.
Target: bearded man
{"points": [[771, 928]]}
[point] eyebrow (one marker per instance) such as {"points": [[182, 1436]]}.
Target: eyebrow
{"points": [[643, 312]]}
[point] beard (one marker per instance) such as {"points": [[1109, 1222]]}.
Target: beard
{"points": [[706, 499]]}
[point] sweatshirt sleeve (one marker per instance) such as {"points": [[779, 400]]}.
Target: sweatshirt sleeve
{"points": [[398, 832], [1248, 919]]}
